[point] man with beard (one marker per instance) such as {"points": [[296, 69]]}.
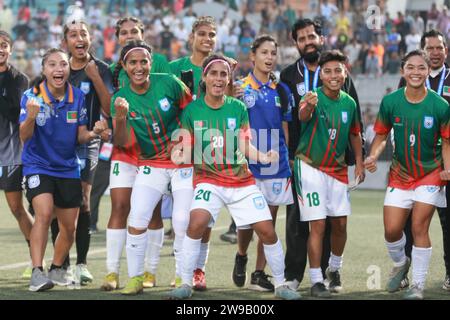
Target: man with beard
{"points": [[302, 77]]}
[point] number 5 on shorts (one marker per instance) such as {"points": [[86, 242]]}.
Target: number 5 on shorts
{"points": [[313, 199], [203, 194]]}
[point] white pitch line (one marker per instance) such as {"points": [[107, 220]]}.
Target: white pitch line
{"points": [[91, 252]]}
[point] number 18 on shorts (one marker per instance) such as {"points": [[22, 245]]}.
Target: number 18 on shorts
{"points": [[320, 195]]}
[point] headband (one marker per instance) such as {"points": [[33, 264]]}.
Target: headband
{"points": [[214, 61], [135, 49]]}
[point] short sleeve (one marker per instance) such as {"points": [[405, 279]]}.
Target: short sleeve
{"points": [[383, 123]]}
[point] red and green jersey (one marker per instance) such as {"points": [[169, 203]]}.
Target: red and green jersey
{"points": [[325, 137], [154, 116], [418, 128], [215, 135], [130, 152], [185, 64]]}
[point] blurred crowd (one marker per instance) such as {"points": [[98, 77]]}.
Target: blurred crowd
{"points": [[372, 50]]}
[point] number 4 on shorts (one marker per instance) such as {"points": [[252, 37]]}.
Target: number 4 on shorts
{"points": [[116, 169]]}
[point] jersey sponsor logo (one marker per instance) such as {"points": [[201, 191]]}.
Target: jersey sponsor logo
{"points": [[186, 173], [33, 182], [41, 119], [446, 91], [200, 124], [432, 189], [85, 87], [344, 116], [276, 188], [301, 89], [250, 100], [231, 123], [259, 202], [428, 122], [133, 115], [71, 116], [398, 121], [164, 104], [83, 114]]}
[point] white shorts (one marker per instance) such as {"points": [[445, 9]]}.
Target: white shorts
{"points": [[246, 205], [320, 195], [122, 174], [160, 178], [405, 199], [278, 192]]}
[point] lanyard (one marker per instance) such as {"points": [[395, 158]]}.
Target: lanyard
{"points": [[441, 82], [306, 77]]}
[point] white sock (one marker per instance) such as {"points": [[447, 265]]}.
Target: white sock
{"points": [[397, 251], [136, 245], [335, 263], [275, 259], [115, 241], [315, 274], [420, 261], [203, 256], [180, 222], [190, 252], [178, 253], [154, 245]]}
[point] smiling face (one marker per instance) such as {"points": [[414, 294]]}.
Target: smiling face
{"points": [[5, 51], [265, 57], [415, 71], [137, 65], [78, 40], [129, 30], [436, 51], [56, 70], [309, 43], [204, 39], [333, 74], [216, 79]]}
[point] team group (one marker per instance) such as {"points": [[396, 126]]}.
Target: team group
{"points": [[186, 131]]}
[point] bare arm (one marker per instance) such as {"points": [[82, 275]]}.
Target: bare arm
{"points": [[445, 174], [84, 135], [26, 129], [356, 142], [307, 106], [377, 147], [100, 87], [253, 154], [120, 137]]}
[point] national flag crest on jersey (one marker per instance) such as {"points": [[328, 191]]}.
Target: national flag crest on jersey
{"points": [[71, 116], [344, 116], [428, 122], [446, 91], [231, 123], [301, 89], [164, 104], [259, 202], [133, 115], [397, 121]]}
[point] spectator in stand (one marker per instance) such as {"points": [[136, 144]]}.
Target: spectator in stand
{"points": [[432, 17], [418, 24], [412, 40], [352, 51], [6, 19], [393, 40], [372, 65], [443, 22], [393, 63], [404, 29]]}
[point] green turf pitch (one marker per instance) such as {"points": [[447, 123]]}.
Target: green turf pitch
{"points": [[364, 275]]}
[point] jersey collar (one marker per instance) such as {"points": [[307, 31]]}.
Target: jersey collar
{"points": [[256, 84], [47, 96]]}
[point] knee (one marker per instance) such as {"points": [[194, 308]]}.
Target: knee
{"points": [[120, 208], [340, 229], [180, 222], [317, 228], [419, 230]]}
